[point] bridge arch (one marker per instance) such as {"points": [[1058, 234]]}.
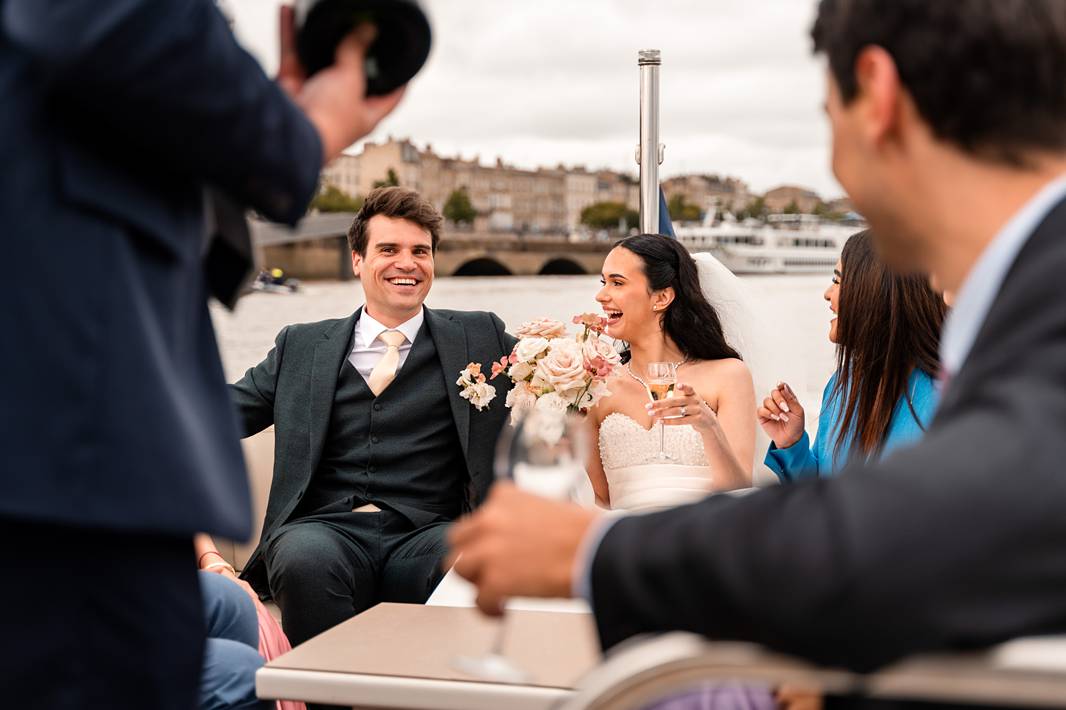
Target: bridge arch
{"points": [[482, 266], [561, 266]]}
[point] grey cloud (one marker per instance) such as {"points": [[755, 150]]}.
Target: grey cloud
{"points": [[556, 81]]}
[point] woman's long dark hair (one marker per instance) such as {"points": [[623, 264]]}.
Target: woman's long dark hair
{"points": [[887, 326], [690, 321]]}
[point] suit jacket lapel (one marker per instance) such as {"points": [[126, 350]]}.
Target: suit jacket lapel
{"points": [[449, 336], [330, 353]]}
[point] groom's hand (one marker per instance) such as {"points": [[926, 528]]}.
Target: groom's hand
{"points": [[518, 544]]}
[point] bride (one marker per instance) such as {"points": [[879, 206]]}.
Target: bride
{"points": [[652, 297]]}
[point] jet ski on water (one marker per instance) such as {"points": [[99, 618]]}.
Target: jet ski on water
{"points": [[275, 281]]}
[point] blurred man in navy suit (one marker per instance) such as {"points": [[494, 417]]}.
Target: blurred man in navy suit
{"points": [[117, 437]]}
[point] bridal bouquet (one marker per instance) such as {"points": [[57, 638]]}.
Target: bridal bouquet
{"points": [[554, 371]]}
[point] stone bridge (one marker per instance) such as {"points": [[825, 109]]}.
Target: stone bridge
{"points": [[318, 248]]}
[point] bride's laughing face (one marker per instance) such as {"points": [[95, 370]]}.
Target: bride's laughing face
{"points": [[632, 308]]}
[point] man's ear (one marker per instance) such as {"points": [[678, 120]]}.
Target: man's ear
{"points": [[881, 94], [357, 263]]}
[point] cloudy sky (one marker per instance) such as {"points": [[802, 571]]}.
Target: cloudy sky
{"points": [[547, 81]]}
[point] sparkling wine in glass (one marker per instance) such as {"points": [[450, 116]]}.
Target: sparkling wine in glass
{"points": [[662, 376], [544, 455]]}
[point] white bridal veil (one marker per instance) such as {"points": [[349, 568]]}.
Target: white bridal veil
{"points": [[747, 328]]}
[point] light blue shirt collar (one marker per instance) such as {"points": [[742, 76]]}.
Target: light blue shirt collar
{"points": [[985, 279]]}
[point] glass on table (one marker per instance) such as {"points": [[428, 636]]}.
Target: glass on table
{"points": [[544, 455]]}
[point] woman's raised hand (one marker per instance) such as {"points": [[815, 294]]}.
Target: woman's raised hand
{"points": [[781, 416], [684, 407]]}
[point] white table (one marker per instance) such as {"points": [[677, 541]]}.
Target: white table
{"points": [[400, 656]]}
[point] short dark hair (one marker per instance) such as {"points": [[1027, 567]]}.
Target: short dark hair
{"points": [[399, 203], [987, 75]]}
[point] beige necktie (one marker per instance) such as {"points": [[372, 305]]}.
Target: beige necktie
{"points": [[385, 371]]}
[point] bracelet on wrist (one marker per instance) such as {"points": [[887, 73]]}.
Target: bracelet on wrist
{"points": [[223, 564], [200, 560]]}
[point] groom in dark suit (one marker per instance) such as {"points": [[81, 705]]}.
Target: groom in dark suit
{"points": [[955, 151], [375, 451]]}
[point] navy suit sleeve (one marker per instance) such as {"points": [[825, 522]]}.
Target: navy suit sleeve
{"points": [[165, 80], [253, 394]]}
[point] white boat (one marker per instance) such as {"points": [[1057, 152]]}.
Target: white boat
{"points": [[784, 244]]}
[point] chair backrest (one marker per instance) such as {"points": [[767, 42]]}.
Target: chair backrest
{"points": [[642, 673], [1025, 672]]}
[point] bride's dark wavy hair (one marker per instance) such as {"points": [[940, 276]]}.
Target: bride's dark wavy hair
{"points": [[690, 321]]}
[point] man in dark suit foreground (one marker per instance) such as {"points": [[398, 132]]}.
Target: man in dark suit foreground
{"points": [[949, 134], [375, 449], [117, 439]]}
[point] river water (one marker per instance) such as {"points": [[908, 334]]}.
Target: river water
{"points": [[792, 314]]}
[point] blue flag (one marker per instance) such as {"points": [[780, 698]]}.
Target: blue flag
{"points": [[665, 225]]}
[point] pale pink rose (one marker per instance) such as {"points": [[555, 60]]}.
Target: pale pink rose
{"points": [[597, 348], [541, 328], [563, 368], [529, 348]]}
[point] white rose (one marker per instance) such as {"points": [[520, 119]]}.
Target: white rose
{"points": [[597, 391], [541, 328], [563, 368], [539, 384], [529, 348], [520, 371], [551, 402], [520, 399]]}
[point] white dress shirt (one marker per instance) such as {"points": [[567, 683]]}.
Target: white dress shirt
{"points": [[983, 283], [368, 348]]}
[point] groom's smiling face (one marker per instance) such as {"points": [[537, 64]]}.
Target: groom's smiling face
{"points": [[397, 269]]}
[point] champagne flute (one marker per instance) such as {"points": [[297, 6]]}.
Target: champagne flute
{"points": [[662, 376], [544, 455]]}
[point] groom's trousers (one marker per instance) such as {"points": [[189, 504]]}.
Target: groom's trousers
{"points": [[327, 567]]}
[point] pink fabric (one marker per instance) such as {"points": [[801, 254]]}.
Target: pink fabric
{"points": [[273, 643]]}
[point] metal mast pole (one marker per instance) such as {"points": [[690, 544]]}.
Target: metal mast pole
{"points": [[650, 151]]}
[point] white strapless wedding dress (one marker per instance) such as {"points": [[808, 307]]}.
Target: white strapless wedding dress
{"points": [[637, 480]]}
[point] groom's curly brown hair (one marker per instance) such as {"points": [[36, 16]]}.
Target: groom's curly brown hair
{"points": [[398, 203]]}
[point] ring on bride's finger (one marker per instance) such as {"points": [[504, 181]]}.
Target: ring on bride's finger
{"points": [[683, 410]]}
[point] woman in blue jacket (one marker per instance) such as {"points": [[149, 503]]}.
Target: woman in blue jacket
{"points": [[883, 393]]}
